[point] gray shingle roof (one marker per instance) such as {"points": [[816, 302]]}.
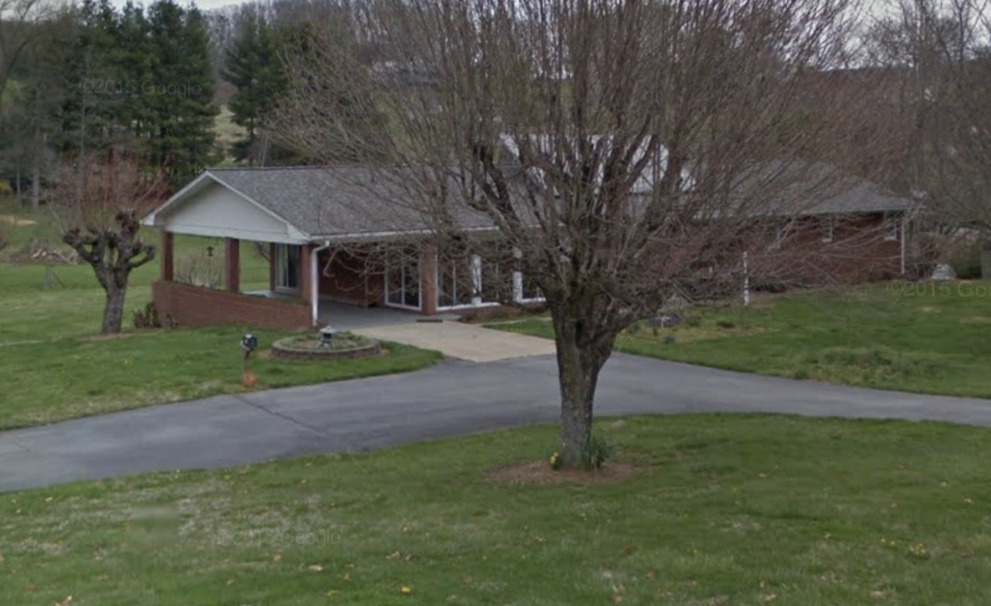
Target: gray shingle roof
{"points": [[338, 201], [353, 200], [815, 188]]}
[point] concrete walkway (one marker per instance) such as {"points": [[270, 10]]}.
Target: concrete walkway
{"points": [[462, 341], [450, 399]]}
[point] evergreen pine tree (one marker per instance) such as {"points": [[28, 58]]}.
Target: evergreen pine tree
{"points": [[179, 93], [253, 66], [133, 62], [88, 113]]}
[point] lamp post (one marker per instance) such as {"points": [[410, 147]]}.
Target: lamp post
{"points": [[327, 336]]}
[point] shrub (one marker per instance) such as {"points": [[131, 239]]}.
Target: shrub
{"points": [[199, 270], [147, 318], [693, 321], [965, 258], [727, 324], [769, 285], [596, 454]]}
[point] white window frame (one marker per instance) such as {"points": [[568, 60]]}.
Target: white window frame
{"points": [[404, 268], [281, 260], [475, 277], [781, 235], [827, 228], [891, 224], [518, 284]]}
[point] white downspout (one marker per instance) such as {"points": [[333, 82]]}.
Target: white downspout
{"points": [[315, 282], [746, 281], [904, 236]]}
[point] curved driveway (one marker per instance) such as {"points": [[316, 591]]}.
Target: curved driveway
{"points": [[449, 399]]}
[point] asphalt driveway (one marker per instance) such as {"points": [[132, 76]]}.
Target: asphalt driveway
{"points": [[452, 398]]}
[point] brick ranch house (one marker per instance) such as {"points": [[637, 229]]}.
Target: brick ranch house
{"points": [[313, 222]]}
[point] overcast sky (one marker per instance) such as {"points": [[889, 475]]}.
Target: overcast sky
{"points": [[875, 7], [202, 4], [211, 4]]}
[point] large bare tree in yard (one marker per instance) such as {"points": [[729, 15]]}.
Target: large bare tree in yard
{"points": [[99, 204], [941, 51], [621, 151]]}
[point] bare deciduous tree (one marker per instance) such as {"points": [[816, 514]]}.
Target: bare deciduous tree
{"points": [[99, 205], [939, 51], [617, 153], [20, 22]]}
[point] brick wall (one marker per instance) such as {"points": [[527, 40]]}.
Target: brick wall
{"points": [[194, 306], [858, 252]]}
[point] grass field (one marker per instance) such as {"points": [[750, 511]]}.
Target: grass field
{"points": [[927, 338], [735, 510], [53, 367]]}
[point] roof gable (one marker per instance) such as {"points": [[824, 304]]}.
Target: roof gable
{"points": [[210, 207]]}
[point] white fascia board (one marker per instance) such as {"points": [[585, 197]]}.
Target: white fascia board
{"points": [[240, 234], [390, 235]]}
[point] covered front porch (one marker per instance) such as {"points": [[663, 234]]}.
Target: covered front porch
{"points": [[315, 285]]}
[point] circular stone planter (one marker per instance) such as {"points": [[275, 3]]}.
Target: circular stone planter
{"points": [[308, 348]]}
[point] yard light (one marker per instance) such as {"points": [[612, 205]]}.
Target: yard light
{"points": [[327, 336]]}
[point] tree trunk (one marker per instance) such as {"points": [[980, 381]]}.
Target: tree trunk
{"points": [[579, 361], [35, 184], [113, 312]]}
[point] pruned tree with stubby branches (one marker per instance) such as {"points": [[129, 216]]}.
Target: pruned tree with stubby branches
{"points": [[617, 153], [99, 204]]}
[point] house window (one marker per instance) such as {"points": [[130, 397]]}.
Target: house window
{"points": [[891, 227], [468, 281], [827, 225], [457, 284], [525, 289], [402, 280], [286, 267], [783, 233]]}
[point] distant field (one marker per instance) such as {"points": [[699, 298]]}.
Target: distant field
{"points": [[226, 130]]}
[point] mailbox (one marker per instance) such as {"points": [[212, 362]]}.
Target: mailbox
{"points": [[249, 342]]}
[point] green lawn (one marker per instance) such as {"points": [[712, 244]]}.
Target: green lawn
{"points": [[741, 510], [53, 367], [927, 338]]}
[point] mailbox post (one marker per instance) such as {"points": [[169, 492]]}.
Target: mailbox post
{"points": [[249, 343]]}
